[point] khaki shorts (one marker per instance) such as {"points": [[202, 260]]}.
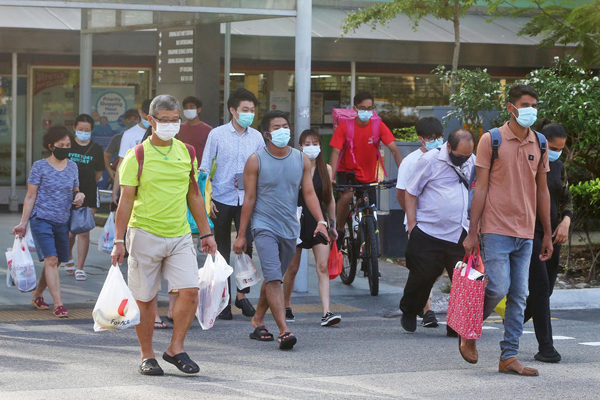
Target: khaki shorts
{"points": [[151, 255]]}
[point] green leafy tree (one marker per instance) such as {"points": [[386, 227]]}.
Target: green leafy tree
{"points": [[383, 13], [565, 22], [586, 199]]}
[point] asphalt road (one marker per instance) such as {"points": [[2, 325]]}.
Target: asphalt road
{"points": [[365, 357]]}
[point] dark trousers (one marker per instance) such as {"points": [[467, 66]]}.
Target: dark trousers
{"points": [[222, 223], [542, 277], [426, 259]]}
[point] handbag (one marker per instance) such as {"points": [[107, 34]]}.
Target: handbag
{"points": [[335, 263], [465, 308], [81, 220]]}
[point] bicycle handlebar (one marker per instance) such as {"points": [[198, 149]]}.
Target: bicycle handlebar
{"points": [[387, 184]]}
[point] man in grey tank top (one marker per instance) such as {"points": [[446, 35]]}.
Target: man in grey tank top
{"points": [[273, 177]]}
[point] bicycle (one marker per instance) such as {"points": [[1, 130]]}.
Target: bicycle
{"points": [[361, 236]]}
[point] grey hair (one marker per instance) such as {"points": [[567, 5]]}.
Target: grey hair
{"points": [[164, 102]]}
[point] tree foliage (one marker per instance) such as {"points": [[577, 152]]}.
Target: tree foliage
{"points": [[383, 13], [560, 23]]}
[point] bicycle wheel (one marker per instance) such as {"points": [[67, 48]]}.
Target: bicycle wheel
{"points": [[372, 252], [349, 271]]}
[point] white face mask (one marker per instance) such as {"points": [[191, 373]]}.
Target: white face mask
{"points": [[166, 131], [312, 152], [190, 114]]}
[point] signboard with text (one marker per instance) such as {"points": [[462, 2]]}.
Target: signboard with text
{"points": [[175, 55]]}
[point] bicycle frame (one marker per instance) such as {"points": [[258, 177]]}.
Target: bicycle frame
{"points": [[359, 211]]}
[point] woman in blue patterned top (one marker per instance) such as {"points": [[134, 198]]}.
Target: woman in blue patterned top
{"points": [[53, 186]]}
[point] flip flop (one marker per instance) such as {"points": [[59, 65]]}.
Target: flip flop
{"points": [[262, 334], [183, 363], [160, 325], [286, 340], [150, 367]]}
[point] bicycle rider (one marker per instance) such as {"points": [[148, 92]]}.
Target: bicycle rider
{"points": [[364, 150]]}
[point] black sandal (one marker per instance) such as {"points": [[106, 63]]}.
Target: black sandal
{"points": [[286, 340], [183, 363], [262, 334], [150, 367]]}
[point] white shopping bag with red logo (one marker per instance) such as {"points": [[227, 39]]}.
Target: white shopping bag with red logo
{"points": [[115, 308], [213, 293], [106, 241], [20, 268]]}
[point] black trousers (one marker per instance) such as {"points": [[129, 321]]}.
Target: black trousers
{"points": [[222, 223], [542, 277], [426, 259]]}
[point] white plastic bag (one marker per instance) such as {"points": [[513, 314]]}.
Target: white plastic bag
{"points": [[105, 243], [115, 308], [246, 274], [29, 241], [20, 267], [213, 293]]}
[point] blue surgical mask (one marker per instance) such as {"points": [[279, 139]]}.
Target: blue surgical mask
{"points": [[83, 136], [245, 119], [365, 115], [146, 123], [527, 116], [554, 155], [434, 144], [281, 137]]}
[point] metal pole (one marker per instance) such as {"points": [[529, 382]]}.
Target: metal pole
{"points": [[13, 201], [303, 60], [302, 109], [85, 68], [352, 81], [227, 72]]}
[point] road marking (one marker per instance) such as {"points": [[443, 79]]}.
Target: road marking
{"points": [[591, 343], [563, 338], [527, 332], [489, 327]]}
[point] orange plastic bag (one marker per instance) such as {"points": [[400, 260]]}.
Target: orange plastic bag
{"points": [[335, 262]]}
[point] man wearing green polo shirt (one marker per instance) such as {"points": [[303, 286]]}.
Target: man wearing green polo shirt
{"points": [[153, 207]]}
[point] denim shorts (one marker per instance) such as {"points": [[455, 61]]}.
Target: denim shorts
{"points": [[51, 239]]}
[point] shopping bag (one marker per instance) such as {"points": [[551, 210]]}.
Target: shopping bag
{"points": [[190, 219], [501, 307], [20, 267], [29, 241], [465, 308], [246, 274], [106, 241], [115, 308], [81, 220], [213, 293], [335, 264]]}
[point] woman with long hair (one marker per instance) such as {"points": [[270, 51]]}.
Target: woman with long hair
{"points": [[310, 143], [52, 188], [542, 275]]}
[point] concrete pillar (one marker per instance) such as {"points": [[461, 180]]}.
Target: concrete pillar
{"points": [[85, 68], [302, 104], [13, 200], [227, 72], [352, 81]]}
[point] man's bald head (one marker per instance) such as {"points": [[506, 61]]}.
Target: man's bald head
{"points": [[460, 135]]}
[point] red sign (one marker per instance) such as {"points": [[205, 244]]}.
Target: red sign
{"points": [[47, 79]]}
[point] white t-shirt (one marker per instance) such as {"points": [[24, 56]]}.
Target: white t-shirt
{"points": [[405, 170], [131, 137]]}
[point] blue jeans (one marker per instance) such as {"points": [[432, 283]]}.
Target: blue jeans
{"points": [[506, 260]]}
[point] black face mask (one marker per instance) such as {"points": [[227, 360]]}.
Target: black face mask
{"points": [[61, 152], [456, 160]]}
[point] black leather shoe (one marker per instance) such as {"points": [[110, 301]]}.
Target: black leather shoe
{"points": [[246, 307], [409, 322], [226, 314], [548, 357]]}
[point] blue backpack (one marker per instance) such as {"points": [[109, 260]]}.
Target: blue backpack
{"points": [[496, 141]]}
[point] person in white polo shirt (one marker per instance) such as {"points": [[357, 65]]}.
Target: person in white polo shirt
{"points": [[431, 136]]}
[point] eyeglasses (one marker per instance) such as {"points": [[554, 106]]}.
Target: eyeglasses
{"points": [[166, 120], [362, 108]]}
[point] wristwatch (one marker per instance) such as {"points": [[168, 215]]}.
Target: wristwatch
{"points": [[119, 241], [323, 223]]}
